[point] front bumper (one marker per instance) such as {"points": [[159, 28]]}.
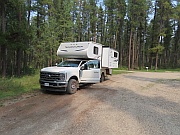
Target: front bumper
{"points": [[53, 84]]}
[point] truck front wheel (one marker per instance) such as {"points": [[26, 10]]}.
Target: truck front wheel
{"points": [[72, 86]]}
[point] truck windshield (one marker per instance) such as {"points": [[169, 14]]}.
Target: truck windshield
{"points": [[69, 64]]}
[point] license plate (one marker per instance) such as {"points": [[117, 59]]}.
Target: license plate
{"points": [[46, 84]]}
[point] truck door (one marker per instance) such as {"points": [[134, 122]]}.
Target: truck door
{"points": [[90, 72]]}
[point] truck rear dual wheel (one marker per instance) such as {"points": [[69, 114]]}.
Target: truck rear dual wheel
{"points": [[102, 77], [72, 86]]}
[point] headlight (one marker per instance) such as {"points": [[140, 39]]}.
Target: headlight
{"points": [[62, 76]]}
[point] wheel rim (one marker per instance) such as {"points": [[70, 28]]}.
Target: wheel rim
{"points": [[73, 86]]}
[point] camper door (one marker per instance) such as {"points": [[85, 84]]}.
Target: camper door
{"points": [[113, 58], [90, 72]]}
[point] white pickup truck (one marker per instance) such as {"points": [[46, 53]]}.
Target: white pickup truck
{"points": [[86, 63]]}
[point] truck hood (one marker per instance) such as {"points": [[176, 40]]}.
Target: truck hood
{"points": [[58, 69]]}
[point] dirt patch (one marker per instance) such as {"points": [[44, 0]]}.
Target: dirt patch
{"points": [[16, 99]]}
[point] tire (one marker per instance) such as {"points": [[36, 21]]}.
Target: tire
{"points": [[72, 86], [43, 90], [102, 79]]}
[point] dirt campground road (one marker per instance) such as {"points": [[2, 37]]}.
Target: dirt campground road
{"points": [[139, 103]]}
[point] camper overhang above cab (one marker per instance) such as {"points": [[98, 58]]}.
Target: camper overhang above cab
{"points": [[81, 50]]}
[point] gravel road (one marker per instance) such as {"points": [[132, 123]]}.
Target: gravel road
{"points": [[139, 103]]}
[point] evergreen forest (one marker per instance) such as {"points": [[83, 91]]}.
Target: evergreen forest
{"points": [[145, 32]]}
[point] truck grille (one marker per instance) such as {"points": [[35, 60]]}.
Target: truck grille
{"points": [[47, 76]]}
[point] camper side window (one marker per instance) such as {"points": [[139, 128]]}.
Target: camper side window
{"points": [[115, 54], [95, 50]]}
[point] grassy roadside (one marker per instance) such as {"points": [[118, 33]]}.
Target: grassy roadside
{"points": [[119, 71], [125, 70], [160, 70], [11, 87]]}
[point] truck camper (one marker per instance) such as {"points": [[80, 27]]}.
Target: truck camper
{"points": [[86, 63]]}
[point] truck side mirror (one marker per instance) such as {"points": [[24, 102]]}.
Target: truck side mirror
{"points": [[55, 64]]}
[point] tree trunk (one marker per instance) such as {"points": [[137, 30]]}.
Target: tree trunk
{"points": [[140, 47], [3, 47], [153, 41], [29, 12], [129, 58], [19, 55], [38, 25], [176, 46], [133, 52], [115, 42], [120, 46], [156, 65]]}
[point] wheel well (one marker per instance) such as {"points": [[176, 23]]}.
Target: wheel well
{"points": [[74, 77]]}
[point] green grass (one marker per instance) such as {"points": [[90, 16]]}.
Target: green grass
{"points": [[120, 71], [11, 87], [161, 70], [125, 70]]}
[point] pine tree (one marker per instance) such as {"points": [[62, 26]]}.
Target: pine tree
{"points": [[136, 17], [3, 47], [161, 31], [176, 47], [121, 12], [110, 23], [93, 19], [100, 25]]}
